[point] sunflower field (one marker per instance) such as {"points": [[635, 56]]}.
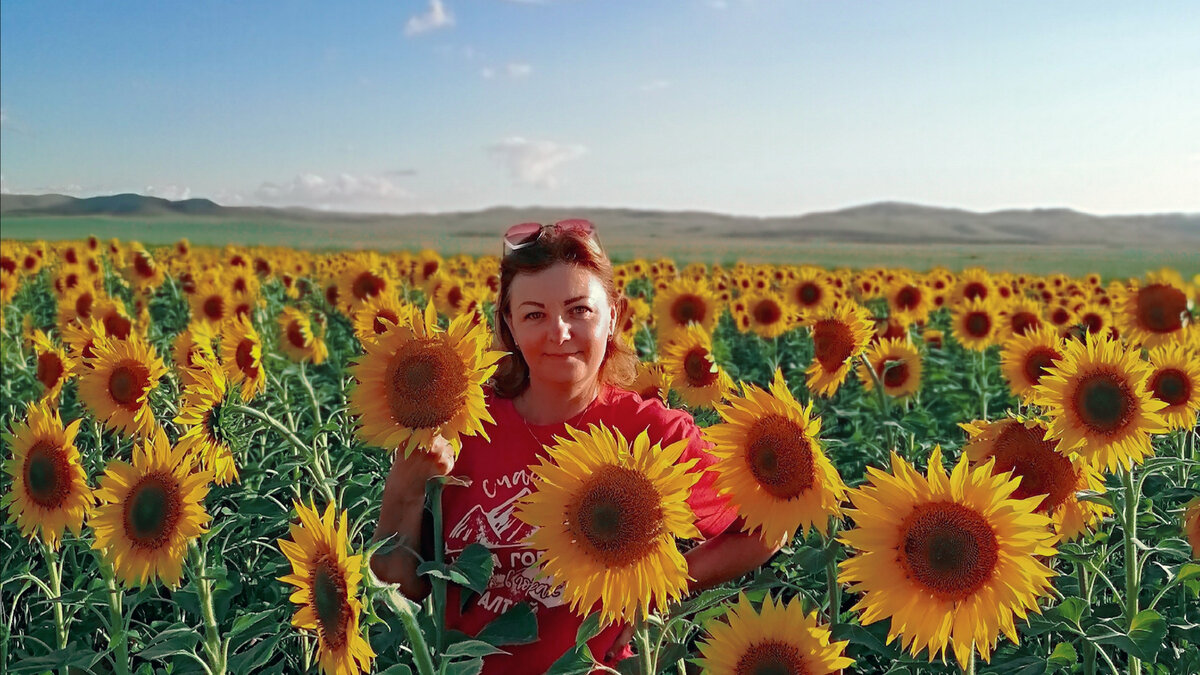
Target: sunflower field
{"points": [[968, 471]]}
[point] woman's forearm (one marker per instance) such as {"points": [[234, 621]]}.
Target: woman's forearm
{"points": [[726, 557], [400, 522]]}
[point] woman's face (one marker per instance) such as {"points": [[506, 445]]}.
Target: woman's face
{"points": [[561, 319]]}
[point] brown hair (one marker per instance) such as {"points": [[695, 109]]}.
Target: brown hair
{"points": [[619, 366]]}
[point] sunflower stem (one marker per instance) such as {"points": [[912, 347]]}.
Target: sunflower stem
{"points": [[884, 404], [645, 654], [831, 580], [1132, 581], [420, 649], [981, 381], [212, 638], [313, 459], [118, 638], [969, 669], [1085, 592], [56, 596], [438, 584]]}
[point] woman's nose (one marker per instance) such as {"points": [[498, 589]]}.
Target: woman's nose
{"points": [[562, 330]]}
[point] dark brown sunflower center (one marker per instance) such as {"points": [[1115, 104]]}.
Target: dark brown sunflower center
{"points": [[143, 265], [1032, 459], [767, 313], [331, 295], [832, 343], [83, 305], [427, 384], [699, 368], [780, 456], [1160, 308], [1172, 386], [1023, 322], [974, 290], [295, 335], [1038, 361], [619, 515], [367, 285], [771, 657], [49, 369], [214, 308], [384, 319], [454, 296], [978, 324], [429, 269], [240, 284], [152, 510], [244, 357], [948, 549], [1060, 316], [118, 326], [908, 298], [128, 382], [688, 308], [1093, 322], [329, 602], [47, 474], [895, 373], [1104, 402], [808, 294]]}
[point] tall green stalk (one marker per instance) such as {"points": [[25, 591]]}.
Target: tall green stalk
{"points": [[1085, 592], [213, 646], [118, 638], [438, 584], [833, 588], [314, 461], [1132, 573], [60, 625], [884, 404]]}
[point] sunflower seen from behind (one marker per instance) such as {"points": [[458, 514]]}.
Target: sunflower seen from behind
{"points": [[949, 559], [607, 512], [326, 578], [690, 365], [149, 511], [771, 465], [1020, 446], [779, 638], [117, 382], [897, 366], [1098, 403], [839, 336], [49, 492], [417, 381]]}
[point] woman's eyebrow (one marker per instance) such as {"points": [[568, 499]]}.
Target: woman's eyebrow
{"points": [[565, 302]]}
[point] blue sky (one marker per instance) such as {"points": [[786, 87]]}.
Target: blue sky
{"points": [[761, 107]]}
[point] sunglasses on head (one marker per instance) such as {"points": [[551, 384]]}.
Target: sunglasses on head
{"points": [[527, 234]]}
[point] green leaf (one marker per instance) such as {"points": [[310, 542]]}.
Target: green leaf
{"points": [[589, 629], [254, 657], [516, 626], [475, 564], [577, 661], [175, 640], [472, 648], [397, 669], [1063, 656], [1188, 572], [250, 626], [1068, 613], [1144, 638], [472, 667]]}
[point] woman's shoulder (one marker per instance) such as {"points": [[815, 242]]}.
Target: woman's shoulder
{"points": [[633, 412]]}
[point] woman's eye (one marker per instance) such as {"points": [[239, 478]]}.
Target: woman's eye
{"points": [[533, 315], [582, 310]]}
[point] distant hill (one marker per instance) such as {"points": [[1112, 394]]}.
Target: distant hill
{"points": [[880, 223]]}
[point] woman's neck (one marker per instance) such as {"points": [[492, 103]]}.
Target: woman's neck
{"points": [[547, 404]]}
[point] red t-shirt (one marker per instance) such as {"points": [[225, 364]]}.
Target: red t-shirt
{"points": [[500, 476]]}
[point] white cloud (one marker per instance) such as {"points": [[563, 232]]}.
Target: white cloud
{"points": [[3, 185], [169, 192], [514, 70], [3, 118], [487, 72], [343, 189], [655, 85], [533, 162], [437, 17]]}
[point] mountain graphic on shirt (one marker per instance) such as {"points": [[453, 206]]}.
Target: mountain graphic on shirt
{"points": [[494, 528]]}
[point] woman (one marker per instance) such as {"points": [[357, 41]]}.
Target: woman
{"points": [[557, 315]]}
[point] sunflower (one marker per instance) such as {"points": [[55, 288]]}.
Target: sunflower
{"points": [[778, 639], [212, 301], [1094, 318], [112, 314], [375, 316], [771, 464], [54, 367], [76, 305], [973, 284], [150, 510], [811, 292], [417, 381], [241, 356], [896, 363], [974, 324], [683, 303], [689, 364], [1098, 403], [1154, 314], [1024, 359], [192, 343], [143, 272], [839, 336], [297, 339], [769, 317], [117, 382], [1019, 317], [650, 382], [607, 512], [326, 578], [199, 414], [950, 559], [1175, 380], [362, 279], [909, 301], [49, 487], [1191, 526], [1020, 446]]}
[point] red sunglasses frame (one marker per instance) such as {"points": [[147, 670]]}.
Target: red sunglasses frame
{"points": [[522, 235]]}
